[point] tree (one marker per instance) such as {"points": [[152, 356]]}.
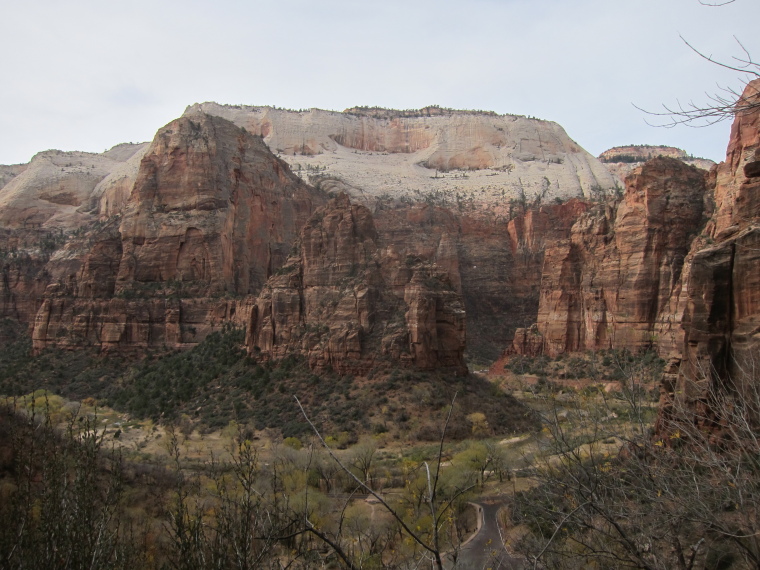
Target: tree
{"points": [[361, 458], [723, 105], [425, 532], [684, 497], [61, 501]]}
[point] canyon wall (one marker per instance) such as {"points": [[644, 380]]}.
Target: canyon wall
{"points": [[164, 241], [611, 282], [212, 214], [346, 303], [42, 205], [721, 301], [494, 262], [198, 228]]}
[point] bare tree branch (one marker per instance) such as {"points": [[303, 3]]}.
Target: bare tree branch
{"points": [[723, 105], [364, 486]]}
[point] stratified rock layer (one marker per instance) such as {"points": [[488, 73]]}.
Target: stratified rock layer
{"points": [[611, 282], [721, 316], [212, 215], [408, 153], [345, 303], [622, 160]]}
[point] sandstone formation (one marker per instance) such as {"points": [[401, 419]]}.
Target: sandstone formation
{"points": [[493, 261], [641, 153], [51, 192], [622, 160], [211, 216], [41, 204], [9, 171], [111, 194], [721, 320], [610, 283], [162, 231], [179, 237], [380, 152], [346, 303], [22, 285]]}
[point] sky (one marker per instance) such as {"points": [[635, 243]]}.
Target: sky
{"points": [[86, 75]]}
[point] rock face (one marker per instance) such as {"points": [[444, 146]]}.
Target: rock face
{"points": [[344, 303], [641, 153], [22, 285], [211, 205], [111, 194], [610, 283], [721, 320], [54, 190], [178, 228], [198, 229], [405, 153], [493, 261], [9, 171], [622, 160], [174, 219], [212, 214]]}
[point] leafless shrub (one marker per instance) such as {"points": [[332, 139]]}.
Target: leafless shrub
{"points": [[684, 497]]}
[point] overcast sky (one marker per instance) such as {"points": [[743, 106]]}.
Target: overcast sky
{"points": [[86, 75]]}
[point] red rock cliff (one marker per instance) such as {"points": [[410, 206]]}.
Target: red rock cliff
{"points": [[495, 263], [212, 213], [611, 282], [344, 302], [721, 320]]}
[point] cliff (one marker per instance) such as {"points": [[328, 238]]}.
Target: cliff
{"points": [[343, 302], [611, 282], [211, 216], [9, 171], [721, 320], [154, 226], [622, 160], [379, 152], [177, 237]]}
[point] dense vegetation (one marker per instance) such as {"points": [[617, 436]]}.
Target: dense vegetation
{"points": [[608, 365], [70, 501], [612, 495], [217, 382]]}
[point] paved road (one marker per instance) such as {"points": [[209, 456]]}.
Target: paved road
{"points": [[485, 551]]}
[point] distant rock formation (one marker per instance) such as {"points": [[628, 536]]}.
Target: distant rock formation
{"points": [[9, 171], [343, 302], [159, 244], [398, 153], [211, 216], [53, 192], [622, 160], [147, 242], [610, 283]]}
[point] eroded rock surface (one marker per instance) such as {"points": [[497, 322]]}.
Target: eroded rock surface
{"points": [[622, 160], [211, 216], [610, 283], [721, 316], [344, 302], [430, 151]]}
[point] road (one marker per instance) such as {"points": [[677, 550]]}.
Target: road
{"points": [[485, 550]]}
